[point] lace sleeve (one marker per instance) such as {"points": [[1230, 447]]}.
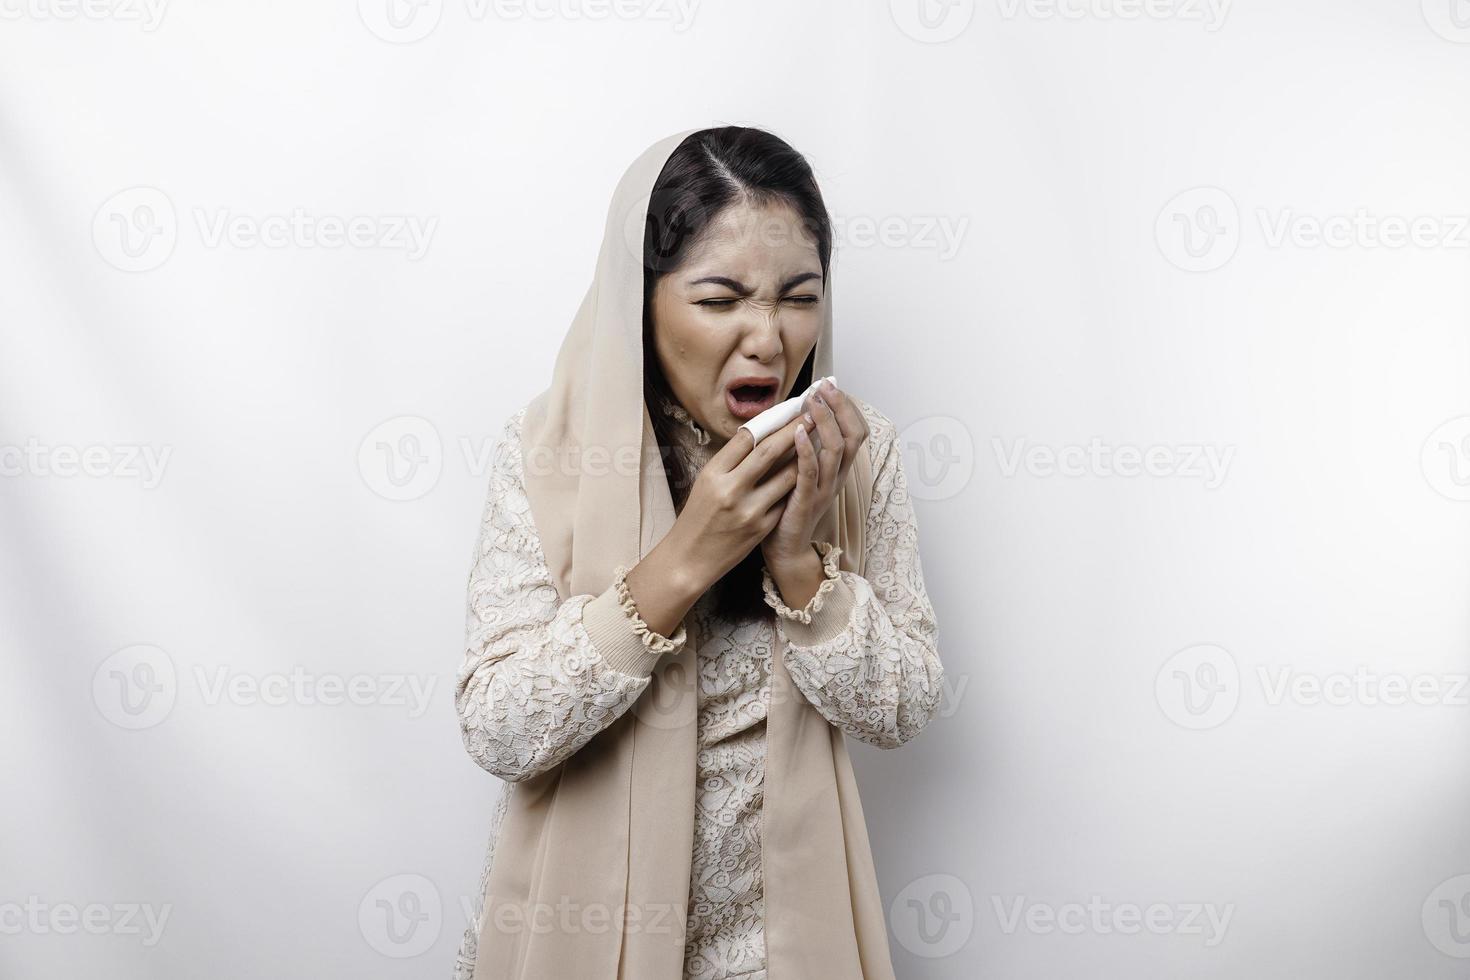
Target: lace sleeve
{"points": [[540, 676], [865, 651]]}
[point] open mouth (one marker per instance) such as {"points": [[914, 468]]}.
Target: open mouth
{"points": [[748, 397]]}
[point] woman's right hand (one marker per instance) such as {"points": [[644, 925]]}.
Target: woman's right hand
{"points": [[736, 500]]}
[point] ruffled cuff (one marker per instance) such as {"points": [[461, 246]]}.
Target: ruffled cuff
{"points": [[622, 637], [829, 582]]}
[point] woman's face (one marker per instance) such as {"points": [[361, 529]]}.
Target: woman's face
{"points": [[746, 304]]}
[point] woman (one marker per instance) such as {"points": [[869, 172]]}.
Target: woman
{"points": [[671, 629]]}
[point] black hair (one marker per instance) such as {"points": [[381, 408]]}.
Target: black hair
{"points": [[709, 171]]}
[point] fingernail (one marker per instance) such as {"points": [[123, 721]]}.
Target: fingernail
{"points": [[810, 420]]}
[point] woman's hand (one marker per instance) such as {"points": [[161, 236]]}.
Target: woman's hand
{"points": [[825, 448], [734, 503]]}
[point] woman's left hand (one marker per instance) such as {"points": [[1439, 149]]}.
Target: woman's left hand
{"points": [[823, 459]]}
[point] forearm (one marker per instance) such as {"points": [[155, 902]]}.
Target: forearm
{"points": [[799, 579], [530, 696], [878, 679], [665, 585]]}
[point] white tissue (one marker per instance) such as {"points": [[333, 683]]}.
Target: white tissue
{"points": [[781, 413]]}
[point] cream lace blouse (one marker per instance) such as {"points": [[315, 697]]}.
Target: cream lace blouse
{"points": [[541, 677]]}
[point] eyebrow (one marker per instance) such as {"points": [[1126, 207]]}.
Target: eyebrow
{"points": [[741, 288]]}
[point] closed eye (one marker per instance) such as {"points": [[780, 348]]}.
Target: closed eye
{"points": [[723, 303]]}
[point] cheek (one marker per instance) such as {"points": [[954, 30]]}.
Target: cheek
{"points": [[689, 345]]}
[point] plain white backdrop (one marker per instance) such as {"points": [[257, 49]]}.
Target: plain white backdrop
{"points": [[1169, 298]]}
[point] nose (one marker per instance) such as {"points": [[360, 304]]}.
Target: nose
{"points": [[761, 330]]}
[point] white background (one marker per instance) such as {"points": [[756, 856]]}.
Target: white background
{"points": [[1130, 193]]}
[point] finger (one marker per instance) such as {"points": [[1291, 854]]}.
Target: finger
{"points": [[849, 417], [733, 451], [808, 467], [805, 465], [833, 447], [854, 427], [774, 449], [774, 488]]}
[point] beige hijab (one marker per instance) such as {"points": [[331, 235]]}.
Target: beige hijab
{"points": [[590, 878]]}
